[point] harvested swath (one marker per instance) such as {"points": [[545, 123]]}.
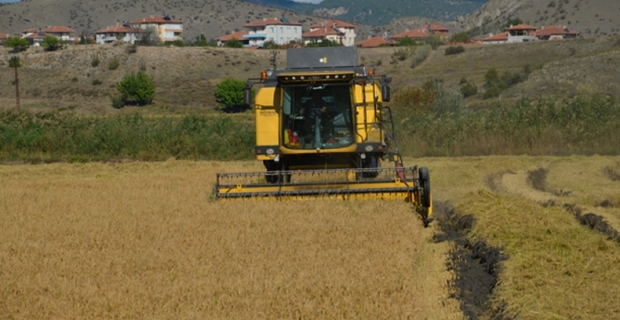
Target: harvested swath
{"points": [[594, 221], [612, 173], [538, 179], [477, 265], [494, 180]]}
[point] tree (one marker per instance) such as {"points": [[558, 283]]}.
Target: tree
{"points": [[201, 41], [513, 22], [233, 43], [149, 37], [18, 44], [229, 92], [51, 43], [434, 41], [460, 37], [136, 88]]}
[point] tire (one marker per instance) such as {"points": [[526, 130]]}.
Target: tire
{"points": [[276, 169], [371, 162], [425, 183]]}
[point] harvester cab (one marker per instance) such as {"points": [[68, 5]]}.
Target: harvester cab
{"points": [[323, 129]]}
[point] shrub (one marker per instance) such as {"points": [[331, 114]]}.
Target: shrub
{"points": [[229, 92], [454, 50], [117, 101], [94, 60], [51, 43], [433, 41], [132, 48], [137, 88], [460, 37], [468, 89], [401, 54], [406, 41], [420, 54], [97, 82], [114, 64], [233, 43]]}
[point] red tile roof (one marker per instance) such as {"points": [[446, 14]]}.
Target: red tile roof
{"points": [[30, 30], [119, 29], [339, 24], [555, 30], [521, 27], [322, 32], [435, 27], [3, 35], [35, 36], [414, 34], [58, 29], [372, 42], [498, 37], [156, 19], [271, 22], [237, 35]]}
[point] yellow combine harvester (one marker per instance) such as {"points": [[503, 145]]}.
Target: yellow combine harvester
{"points": [[322, 130]]}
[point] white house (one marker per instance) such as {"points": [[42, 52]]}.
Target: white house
{"points": [[279, 30], [167, 29], [123, 33], [334, 30]]}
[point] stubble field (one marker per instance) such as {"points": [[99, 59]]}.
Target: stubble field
{"points": [[146, 241]]}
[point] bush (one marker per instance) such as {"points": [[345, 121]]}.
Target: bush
{"points": [[468, 89], [433, 41], [460, 37], [230, 92], [406, 41], [97, 82], [137, 88], [420, 54], [132, 48], [233, 43], [454, 50], [94, 60], [114, 64], [51, 43]]}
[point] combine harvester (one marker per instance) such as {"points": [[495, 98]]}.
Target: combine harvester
{"points": [[322, 130]]}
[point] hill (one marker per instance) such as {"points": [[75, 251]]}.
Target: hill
{"points": [[375, 12], [186, 76], [592, 17]]}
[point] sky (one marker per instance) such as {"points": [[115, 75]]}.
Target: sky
{"points": [[6, 1]]}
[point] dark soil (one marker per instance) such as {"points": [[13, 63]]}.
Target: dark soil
{"points": [[476, 265], [538, 179], [595, 222]]}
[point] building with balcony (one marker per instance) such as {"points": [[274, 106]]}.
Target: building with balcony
{"points": [[166, 28], [279, 30]]}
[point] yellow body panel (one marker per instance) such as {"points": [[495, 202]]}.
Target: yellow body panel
{"points": [[267, 118]]}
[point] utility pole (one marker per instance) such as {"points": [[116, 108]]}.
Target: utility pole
{"points": [[15, 63]]}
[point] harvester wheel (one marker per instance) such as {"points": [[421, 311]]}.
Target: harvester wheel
{"points": [[371, 162], [425, 182], [275, 172]]}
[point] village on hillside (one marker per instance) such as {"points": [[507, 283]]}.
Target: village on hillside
{"points": [[281, 32]]}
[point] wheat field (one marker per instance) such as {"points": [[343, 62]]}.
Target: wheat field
{"points": [[146, 241]]}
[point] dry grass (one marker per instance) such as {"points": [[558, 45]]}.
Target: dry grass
{"points": [[556, 268], [144, 240]]}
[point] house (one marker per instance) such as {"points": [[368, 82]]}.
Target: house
{"points": [[60, 32], [167, 29], [521, 33], [279, 30], [33, 35], [3, 37], [422, 32], [556, 33], [124, 33], [498, 38], [373, 42], [236, 35], [334, 30]]}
